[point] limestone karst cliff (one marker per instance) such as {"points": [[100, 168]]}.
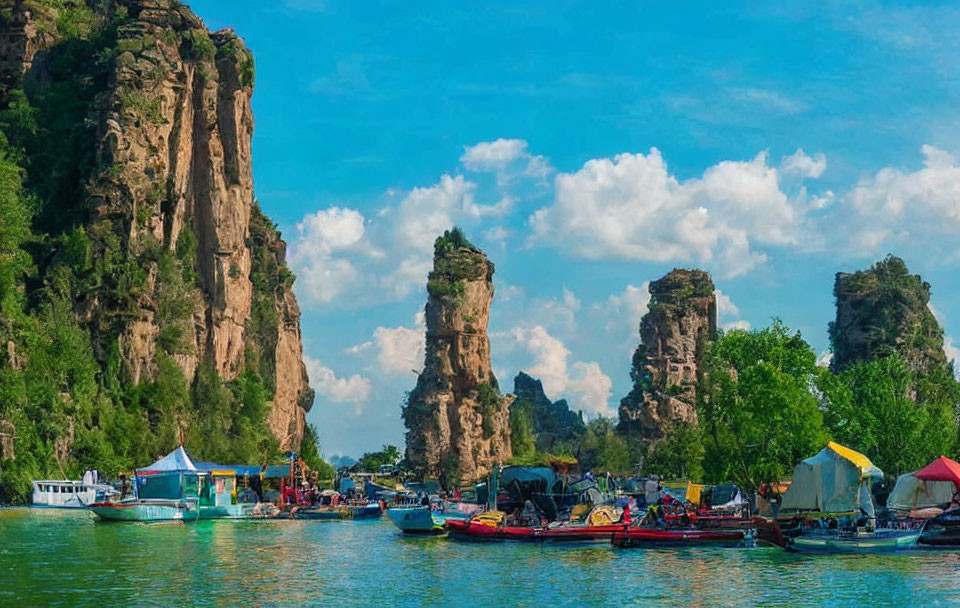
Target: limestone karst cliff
{"points": [[133, 126], [883, 310], [457, 421], [552, 423], [682, 318]]}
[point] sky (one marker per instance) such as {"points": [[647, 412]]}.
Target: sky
{"points": [[588, 148]]}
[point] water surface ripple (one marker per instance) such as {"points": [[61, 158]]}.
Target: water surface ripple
{"points": [[63, 558]]}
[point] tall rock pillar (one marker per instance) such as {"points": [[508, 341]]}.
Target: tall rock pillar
{"points": [[458, 424], [682, 319]]}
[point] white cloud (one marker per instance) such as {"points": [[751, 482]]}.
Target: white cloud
{"points": [[767, 99], [735, 325], [508, 158], [725, 306], [631, 207], [355, 389], [802, 165], [356, 349], [624, 311], [953, 354], [400, 350], [343, 257], [825, 359], [583, 383], [893, 207], [728, 314]]}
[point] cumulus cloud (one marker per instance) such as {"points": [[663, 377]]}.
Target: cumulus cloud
{"points": [[631, 207], [339, 254], [825, 359], [508, 158], [728, 314], [355, 389], [802, 165], [625, 310], [897, 207], [400, 350], [583, 383]]}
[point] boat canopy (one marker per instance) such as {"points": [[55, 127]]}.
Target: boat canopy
{"points": [[836, 480], [941, 469], [911, 493], [177, 461], [238, 470]]}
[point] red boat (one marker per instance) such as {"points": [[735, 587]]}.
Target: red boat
{"points": [[469, 530], [657, 537]]}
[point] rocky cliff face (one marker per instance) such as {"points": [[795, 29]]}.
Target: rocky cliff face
{"points": [[457, 421], [884, 310], [188, 267], [682, 318], [553, 422]]}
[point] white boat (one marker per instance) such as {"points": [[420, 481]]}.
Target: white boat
{"points": [[878, 541], [69, 494]]}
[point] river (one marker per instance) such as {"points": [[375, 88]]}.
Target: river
{"points": [[67, 558]]}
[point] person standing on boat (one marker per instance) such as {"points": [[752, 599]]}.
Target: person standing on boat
{"points": [[124, 486], [625, 519]]}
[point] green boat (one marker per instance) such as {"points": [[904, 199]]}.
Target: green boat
{"points": [[146, 510], [167, 490], [877, 541]]}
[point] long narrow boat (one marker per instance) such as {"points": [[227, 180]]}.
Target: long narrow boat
{"points": [[655, 537], [368, 511], [146, 510], [471, 530], [832, 541]]}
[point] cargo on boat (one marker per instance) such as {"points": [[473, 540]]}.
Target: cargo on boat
{"points": [[830, 506]]}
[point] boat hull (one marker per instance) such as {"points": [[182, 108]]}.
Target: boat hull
{"points": [[466, 530], [370, 511], [144, 511], [883, 542], [240, 511], [651, 537], [422, 520]]}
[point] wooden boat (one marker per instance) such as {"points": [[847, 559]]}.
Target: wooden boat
{"points": [[368, 511], [146, 510], [259, 510], [943, 530], [678, 537], [840, 541], [472, 530], [422, 520]]}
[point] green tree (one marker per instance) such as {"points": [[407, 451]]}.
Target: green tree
{"points": [[874, 407], [603, 450], [679, 455], [523, 440], [757, 411]]}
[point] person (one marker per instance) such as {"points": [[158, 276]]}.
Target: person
{"points": [[625, 519], [425, 501]]}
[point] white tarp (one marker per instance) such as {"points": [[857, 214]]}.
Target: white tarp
{"points": [[177, 460], [831, 482], [911, 493]]}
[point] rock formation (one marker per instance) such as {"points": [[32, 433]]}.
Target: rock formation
{"points": [[553, 422], [188, 266], [682, 318], [884, 310], [457, 422]]}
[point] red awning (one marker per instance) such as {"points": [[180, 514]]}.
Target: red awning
{"points": [[941, 469]]}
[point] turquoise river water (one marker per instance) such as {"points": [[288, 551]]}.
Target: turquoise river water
{"points": [[64, 558]]}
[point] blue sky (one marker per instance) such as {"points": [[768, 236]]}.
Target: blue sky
{"points": [[589, 148]]}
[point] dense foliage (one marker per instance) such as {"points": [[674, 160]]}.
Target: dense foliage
{"points": [[64, 384]]}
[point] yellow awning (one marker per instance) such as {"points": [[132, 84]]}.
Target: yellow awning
{"points": [[693, 492], [867, 468]]}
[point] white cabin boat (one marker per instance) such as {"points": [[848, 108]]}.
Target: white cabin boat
{"points": [[69, 494]]}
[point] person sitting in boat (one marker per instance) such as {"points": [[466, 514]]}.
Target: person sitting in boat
{"points": [[513, 518], [625, 517], [530, 516]]}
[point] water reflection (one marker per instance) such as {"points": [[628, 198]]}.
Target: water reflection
{"points": [[62, 558]]}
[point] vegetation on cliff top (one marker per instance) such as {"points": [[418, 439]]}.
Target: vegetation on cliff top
{"points": [[63, 383]]}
